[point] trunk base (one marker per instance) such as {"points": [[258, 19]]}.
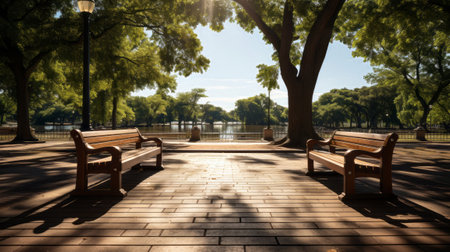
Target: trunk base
{"points": [[288, 143], [279, 141]]}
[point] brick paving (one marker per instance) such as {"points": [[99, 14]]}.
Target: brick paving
{"points": [[221, 202]]}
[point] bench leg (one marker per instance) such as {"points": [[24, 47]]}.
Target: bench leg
{"points": [[386, 184], [116, 184], [159, 160], [82, 179], [310, 167], [349, 182]]}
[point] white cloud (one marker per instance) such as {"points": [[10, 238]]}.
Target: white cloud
{"points": [[277, 94], [231, 80]]}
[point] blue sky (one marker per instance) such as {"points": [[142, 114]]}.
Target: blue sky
{"points": [[234, 55]]}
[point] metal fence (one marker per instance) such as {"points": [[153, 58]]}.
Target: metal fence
{"points": [[407, 135], [230, 136]]}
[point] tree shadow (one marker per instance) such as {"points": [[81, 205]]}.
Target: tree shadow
{"points": [[399, 212], [83, 209], [253, 160]]}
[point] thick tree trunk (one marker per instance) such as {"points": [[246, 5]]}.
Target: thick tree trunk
{"points": [[23, 116], [423, 119], [114, 113], [300, 127]]}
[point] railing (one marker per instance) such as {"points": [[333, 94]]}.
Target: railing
{"points": [[403, 135], [229, 136]]}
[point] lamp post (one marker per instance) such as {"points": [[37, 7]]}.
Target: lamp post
{"points": [[86, 8], [430, 107]]}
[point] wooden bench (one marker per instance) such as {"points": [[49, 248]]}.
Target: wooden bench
{"points": [[378, 147], [95, 142]]}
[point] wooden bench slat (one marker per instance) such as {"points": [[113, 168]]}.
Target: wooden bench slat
{"points": [[362, 135], [95, 139], [353, 146], [107, 132], [362, 141], [113, 143], [140, 157]]}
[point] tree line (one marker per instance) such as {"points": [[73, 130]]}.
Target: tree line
{"points": [[376, 106], [160, 108]]}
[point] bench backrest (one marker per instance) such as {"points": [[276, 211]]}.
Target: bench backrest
{"points": [[363, 141], [104, 138]]}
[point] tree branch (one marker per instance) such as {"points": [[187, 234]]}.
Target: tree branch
{"points": [[287, 35], [265, 29], [319, 37], [127, 59], [34, 62], [419, 61]]}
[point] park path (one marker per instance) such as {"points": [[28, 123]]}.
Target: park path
{"points": [[226, 201]]}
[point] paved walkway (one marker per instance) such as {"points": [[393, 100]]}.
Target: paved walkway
{"points": [[259, 201]]}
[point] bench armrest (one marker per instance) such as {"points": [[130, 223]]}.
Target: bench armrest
{"points": [[352, 154], [157, 140], [311, 142], [113, 150]]}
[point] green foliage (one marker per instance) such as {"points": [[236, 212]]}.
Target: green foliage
{"points": [[211, 114], [253, 110], [7, 107], [267, 76], [371, 105], [186, 105], [409, 43]]}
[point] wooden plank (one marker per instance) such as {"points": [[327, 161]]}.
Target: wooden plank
{"points": [[111, 138], [113, 143], [339, 159], [359, 140], [332, 164], [353, 146], [138, 158], [362, 135], [107, 132]]}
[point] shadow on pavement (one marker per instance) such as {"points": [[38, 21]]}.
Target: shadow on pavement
{"points": [[83, 209]]}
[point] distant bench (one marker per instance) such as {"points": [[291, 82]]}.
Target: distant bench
{"points": [[376, 146], [95, 142]]}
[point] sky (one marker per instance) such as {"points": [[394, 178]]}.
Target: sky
{"points": [[234, 55]]}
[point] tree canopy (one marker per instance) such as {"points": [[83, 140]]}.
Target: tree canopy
{"points": [[408, 43], [35, 34]]}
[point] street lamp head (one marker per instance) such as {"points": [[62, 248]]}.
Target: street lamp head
{"points": [[86, 5]]}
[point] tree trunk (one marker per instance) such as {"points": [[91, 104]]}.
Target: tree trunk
{"points": [[268, 112], [114, 112], [423, 119], [23, 115], [300, 127]]}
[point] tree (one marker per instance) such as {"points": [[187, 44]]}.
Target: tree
{"points": [[141, 109], [252, 110], [187, 106], [330, 110], [7, 107], [408, 41], [157, 105], [33, 31], [267, 76], [211, 114], [288, 26]]}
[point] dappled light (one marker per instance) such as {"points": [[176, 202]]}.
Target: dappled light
{"points": [[250, 201]]}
